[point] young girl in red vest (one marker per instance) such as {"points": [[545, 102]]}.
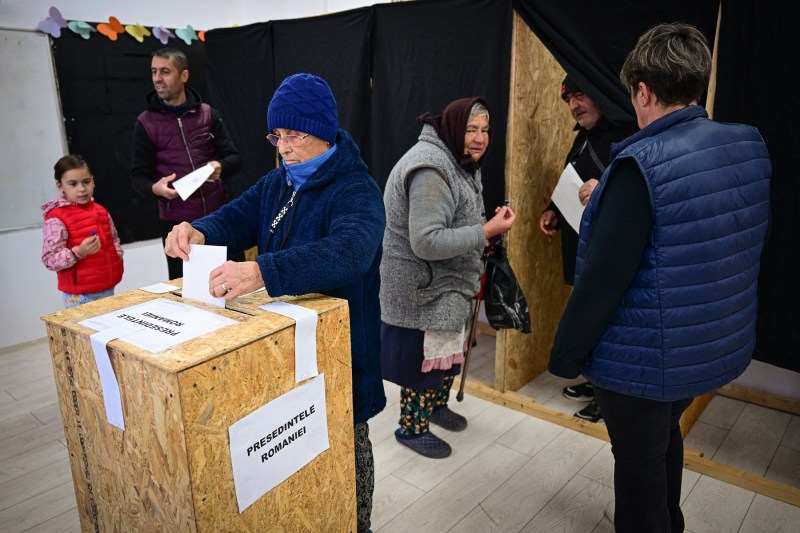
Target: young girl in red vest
{"points": [[80, 241]]}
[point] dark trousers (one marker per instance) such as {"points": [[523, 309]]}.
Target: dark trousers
{"points": [[648, 461], [175, 264]]}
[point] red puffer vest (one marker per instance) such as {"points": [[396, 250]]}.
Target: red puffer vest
{"points": [[96, 272]]}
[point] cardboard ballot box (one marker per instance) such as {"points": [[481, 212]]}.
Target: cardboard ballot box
{"points": [[170, 469]]}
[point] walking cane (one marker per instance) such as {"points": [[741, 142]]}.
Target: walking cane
{"points": [[472, 328]]}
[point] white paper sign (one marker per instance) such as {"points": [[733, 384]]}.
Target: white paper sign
{"points": [[162, 323], [192, 181], [196, 271], [565, 196], [305, 337], [276, 440], [108, 379], [160, 288]]}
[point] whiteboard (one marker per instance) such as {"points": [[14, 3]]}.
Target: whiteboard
{"points": [[31, 128]]}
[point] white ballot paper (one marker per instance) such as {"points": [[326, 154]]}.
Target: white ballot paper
{"points": [[160, 288], [305, 337], [278, 439], [202, 260], [192, 181], [565, 196], [108, 379], [161, 323]]}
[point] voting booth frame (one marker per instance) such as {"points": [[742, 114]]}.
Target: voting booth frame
{"points": [[170, 469]]}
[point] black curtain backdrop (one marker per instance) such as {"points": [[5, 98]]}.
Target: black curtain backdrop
{"points": [[336, 48], [240, 85], [386, 65], [103, 85], [756, 82], [591, 39], [427, 54]]}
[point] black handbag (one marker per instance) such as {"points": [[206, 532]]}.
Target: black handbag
{"points": [[504, 303]]}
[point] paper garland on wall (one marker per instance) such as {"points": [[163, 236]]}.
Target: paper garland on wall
{"points": [[163, 34], [81, 28], [112, 29], [52, 25], [55, 22], [137, 31]]}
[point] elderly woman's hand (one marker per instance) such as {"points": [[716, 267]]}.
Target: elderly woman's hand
{"points": [[233, 279], [500, 223], [178, 240]]}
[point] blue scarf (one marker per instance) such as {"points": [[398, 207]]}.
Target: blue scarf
{"points": [[298, 173]]}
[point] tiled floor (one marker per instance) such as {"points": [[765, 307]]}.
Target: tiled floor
{"points": [[755, 439], [508, 471]]}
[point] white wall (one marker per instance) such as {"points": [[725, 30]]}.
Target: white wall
{"points": [[201, 14], [28, 289]]}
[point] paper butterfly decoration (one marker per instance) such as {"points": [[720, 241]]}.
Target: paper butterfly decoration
{"points": [[137, 31], [187, 34], [112, 29], [52, 25], [81, 28], [163, 34]]}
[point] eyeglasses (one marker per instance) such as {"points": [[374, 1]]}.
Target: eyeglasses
{"points": [[291, 140]]}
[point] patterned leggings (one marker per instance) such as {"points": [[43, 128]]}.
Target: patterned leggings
{"points": [[365, 476], [416, 405]]}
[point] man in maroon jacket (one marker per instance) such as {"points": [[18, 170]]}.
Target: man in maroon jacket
{"points": [[175, 135]]}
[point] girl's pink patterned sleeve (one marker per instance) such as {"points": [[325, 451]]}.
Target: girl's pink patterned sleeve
{"points": [[55, 254], [115, 236]]}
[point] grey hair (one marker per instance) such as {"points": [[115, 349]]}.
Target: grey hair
{"points": [[478, 109], [180, 59], [673, 60]]}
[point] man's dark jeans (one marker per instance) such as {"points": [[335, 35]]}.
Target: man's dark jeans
{"points": [[648, 461]]}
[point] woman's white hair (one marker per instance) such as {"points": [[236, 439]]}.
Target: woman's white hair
{"points": [[477, 110]]}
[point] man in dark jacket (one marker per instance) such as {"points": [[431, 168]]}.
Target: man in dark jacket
{"points": [[664, 306], [177, 134], [589, 156]]}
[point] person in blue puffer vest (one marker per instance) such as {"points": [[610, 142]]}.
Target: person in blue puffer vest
{"points": [[664, 306], [318, 222]]}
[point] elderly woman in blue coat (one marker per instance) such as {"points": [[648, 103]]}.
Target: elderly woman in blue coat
{"points": [[318, 221]]}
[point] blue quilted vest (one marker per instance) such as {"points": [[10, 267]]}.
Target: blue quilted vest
{"points": [[686, 324]]}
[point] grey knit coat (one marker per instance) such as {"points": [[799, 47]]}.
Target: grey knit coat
{"points": [[432, 289]]}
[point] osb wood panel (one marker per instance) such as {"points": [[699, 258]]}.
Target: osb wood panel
{"points": [[199, 349], [694, 411], [171, 359], [540, 135], [132, 480], [321, 496]]}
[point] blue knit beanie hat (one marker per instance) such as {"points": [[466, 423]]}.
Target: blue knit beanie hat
{"points": [[304, 103]]}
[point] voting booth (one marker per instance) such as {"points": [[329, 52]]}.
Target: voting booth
{"points": [[162, 454]]}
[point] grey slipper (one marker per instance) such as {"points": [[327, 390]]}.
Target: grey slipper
{"points": [[447, 419], [426, 444]]}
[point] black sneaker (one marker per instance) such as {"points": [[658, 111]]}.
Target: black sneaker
{"points": [[591, 412], [447, 419], [426, 444], [582, 392]]}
